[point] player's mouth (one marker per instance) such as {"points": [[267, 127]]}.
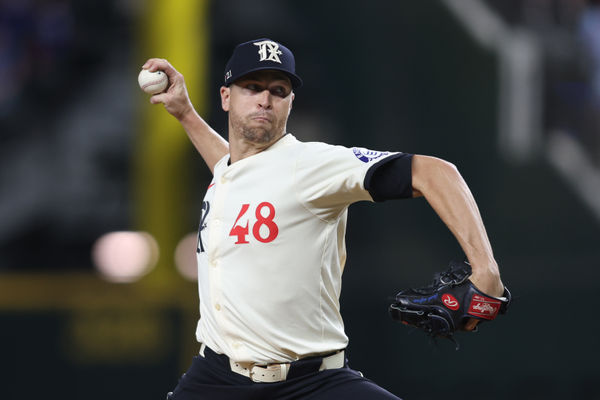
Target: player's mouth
{"points": [[260, 118]]}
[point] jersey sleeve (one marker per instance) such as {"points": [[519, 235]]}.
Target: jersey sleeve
{"points": [[390, 178], [330, 178]]}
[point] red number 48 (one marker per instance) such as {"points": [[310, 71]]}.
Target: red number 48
{"points": [[261, 220]]}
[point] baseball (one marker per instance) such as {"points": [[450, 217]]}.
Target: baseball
{"points": [[153, 82]]}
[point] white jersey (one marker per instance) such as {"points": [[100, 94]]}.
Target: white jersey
{"points": [[271, 250]]}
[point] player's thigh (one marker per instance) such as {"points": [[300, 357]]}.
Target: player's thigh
{"points": [[352, 387]]}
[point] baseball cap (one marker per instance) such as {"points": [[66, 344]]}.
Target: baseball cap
{"points": [[261, 54]]}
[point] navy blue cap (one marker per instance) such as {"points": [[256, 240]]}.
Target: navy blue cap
{"points": [[261, 54]]}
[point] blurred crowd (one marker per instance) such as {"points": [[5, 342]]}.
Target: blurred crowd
{"points": [[36, 40], [59, 131], [569, 34]]}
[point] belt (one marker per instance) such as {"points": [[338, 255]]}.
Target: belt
{"points": [[278, 372]]}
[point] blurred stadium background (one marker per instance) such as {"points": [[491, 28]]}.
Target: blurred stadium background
{"points": [[101, 193]]}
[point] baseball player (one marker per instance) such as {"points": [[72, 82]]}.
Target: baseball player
{"points": [[271, 248]]}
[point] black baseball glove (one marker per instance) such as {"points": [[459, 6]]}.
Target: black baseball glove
{"points": [[448, 303]]}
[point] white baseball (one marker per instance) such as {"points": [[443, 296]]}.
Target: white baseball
{"points": [[153, 82]]}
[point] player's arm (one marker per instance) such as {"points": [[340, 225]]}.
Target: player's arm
{"points": [[211, 146], [448, 194]]}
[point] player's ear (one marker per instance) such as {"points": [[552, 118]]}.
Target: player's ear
{"points": [[225, 96]]}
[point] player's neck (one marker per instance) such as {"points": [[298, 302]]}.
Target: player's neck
{"points": [[240, 148]]}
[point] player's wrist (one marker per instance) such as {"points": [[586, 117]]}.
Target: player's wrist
{"points": [[488, 282], [485, 274], [187, 114]]}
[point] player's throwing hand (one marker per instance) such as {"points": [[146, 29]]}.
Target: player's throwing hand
{"points": [[175, 99]]}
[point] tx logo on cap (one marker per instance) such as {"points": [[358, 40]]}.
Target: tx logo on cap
{"points": [[268, 51]]}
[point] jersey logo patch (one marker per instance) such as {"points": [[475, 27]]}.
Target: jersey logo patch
{"points": [[366, 155]]}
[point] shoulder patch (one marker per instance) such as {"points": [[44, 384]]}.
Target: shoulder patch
{"points": [[366, 155]]}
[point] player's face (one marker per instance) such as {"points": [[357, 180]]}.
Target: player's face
{"points": [[259, 105]]}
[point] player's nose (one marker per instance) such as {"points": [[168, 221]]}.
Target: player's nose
{"points": [[264, 99]]}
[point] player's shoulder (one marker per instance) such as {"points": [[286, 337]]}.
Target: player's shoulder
{"points": [[304, 148], [324, 150], [317, 146]]}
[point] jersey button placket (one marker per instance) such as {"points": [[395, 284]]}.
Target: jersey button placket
{"points": [[214, 244]]}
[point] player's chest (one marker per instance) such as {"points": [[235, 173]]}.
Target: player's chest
{"points": [[246, 211]]}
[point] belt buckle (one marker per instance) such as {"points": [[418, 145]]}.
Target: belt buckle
{"points": [[269, 373]]}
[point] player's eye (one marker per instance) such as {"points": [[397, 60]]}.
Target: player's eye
{"points": [[279, 91], [254, 87]]}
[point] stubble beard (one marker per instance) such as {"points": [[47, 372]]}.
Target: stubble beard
{"points": [[256, 134]]}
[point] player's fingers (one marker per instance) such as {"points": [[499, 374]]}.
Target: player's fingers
{"points": [[159, 98], [155, 64], [151, 64], [471, 324]]}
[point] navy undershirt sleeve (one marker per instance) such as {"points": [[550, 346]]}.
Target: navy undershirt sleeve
{"points": [[390, 178]]}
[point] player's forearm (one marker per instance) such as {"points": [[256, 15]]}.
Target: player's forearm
{"points": [[211, 146], [448, 194]]}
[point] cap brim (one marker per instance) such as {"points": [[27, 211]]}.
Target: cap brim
{"points": [[295, 79]]}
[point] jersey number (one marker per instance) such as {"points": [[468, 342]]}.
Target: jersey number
{"points": [[271, 228]]}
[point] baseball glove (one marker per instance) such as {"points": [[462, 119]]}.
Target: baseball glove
{"points": [[447, 304]]}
